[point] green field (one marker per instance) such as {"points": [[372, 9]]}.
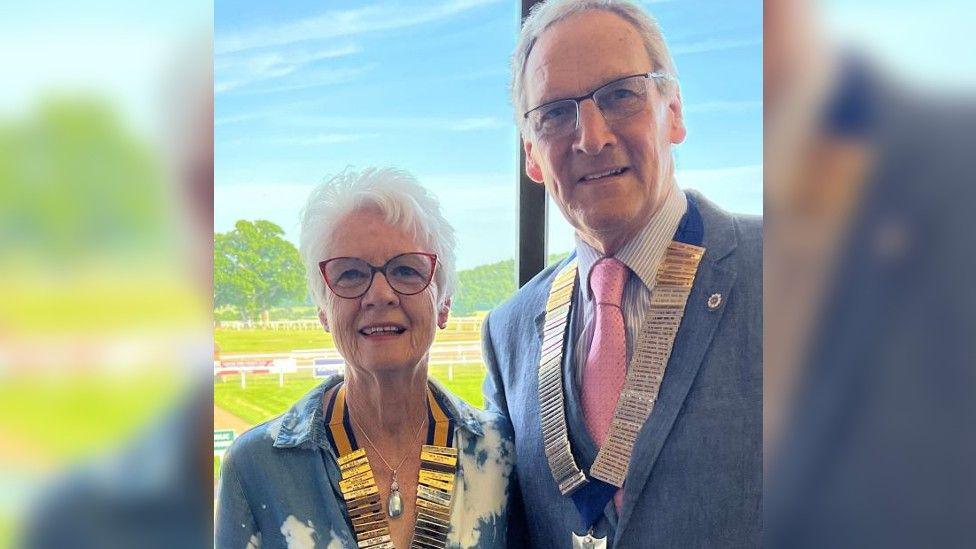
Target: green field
{"points": [[263, 399]]}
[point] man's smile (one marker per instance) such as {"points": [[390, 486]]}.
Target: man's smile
{"points": [[603, 175]]}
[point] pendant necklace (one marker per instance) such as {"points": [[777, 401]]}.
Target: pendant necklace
{"points": [[394, 504], [435, 481]]}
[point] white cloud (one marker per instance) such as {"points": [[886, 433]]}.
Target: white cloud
{"points": [[324, 139], [343, 23], [429, 123], [471, 124], [376, 123], [234, 71], [310, 140], [714, 44], [311, 78], [243, 117]]}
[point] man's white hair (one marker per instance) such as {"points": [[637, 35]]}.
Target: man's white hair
{"points": [[397, 196], [546, 14]]}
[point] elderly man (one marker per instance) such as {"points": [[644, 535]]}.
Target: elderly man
{"points": [[632, 370]]}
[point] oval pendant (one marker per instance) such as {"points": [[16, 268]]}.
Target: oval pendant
{"points": [[394, 505]]}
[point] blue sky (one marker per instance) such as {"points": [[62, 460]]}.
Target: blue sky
{"points": [[302, 92]]}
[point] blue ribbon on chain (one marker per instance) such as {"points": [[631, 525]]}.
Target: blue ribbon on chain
{"points": [[591, 499]]}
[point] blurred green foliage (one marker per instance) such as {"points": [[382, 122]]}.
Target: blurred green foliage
{"points": [[296, 312], [7, 531], [293, 313], [87, 224], [76, 181]]}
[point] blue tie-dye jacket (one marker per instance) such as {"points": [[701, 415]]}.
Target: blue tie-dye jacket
{"points": [[279, 482]]}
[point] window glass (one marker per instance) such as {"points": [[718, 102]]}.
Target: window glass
{"points": [[304, 91]]}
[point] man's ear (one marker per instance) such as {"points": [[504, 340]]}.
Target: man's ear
{"points": [[323, 320], [532, 168], [443, 313], [677, 130]]}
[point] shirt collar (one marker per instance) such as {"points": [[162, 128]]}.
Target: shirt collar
{"points": [[303, 425], [643, 253]]}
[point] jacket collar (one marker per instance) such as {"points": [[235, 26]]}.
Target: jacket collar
{"points": [[303, 425], [719, 232]]}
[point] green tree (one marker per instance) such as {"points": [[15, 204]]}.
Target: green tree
{"points": [[255, 269], [484, 287]]}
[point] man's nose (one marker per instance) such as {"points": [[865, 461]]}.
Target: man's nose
{"points": [[593, 133], [380, 293]]}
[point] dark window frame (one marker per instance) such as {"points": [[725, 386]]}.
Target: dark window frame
{"points": [[532, 211]]}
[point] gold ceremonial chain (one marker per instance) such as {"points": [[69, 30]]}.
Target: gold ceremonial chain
{"points": [[394, 504], [674, 279], [435, 486]]}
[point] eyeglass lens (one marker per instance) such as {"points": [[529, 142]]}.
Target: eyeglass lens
{"points": [[407, 274], [616, 100]]}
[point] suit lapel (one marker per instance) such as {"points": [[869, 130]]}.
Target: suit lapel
{"points": [[698, 327]]}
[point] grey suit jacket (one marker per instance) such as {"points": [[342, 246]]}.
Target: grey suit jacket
{"points": [[695, 477]]}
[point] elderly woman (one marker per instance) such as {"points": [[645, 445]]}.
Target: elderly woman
{"points": [[382, 456]]}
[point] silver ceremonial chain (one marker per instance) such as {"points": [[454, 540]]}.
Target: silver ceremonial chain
{"points": [[394, 505]]}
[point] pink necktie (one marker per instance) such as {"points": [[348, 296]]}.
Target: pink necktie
{"points": [[606, 363]]}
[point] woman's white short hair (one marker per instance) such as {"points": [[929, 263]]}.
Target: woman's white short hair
{"points": [[396, 195], [546, 14]]}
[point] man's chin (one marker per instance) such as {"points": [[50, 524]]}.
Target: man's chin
{"points": [[606, 226], [606, 220]]}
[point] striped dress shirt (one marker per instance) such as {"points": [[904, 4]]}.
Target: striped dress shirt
{"points": [[642, 255]]}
